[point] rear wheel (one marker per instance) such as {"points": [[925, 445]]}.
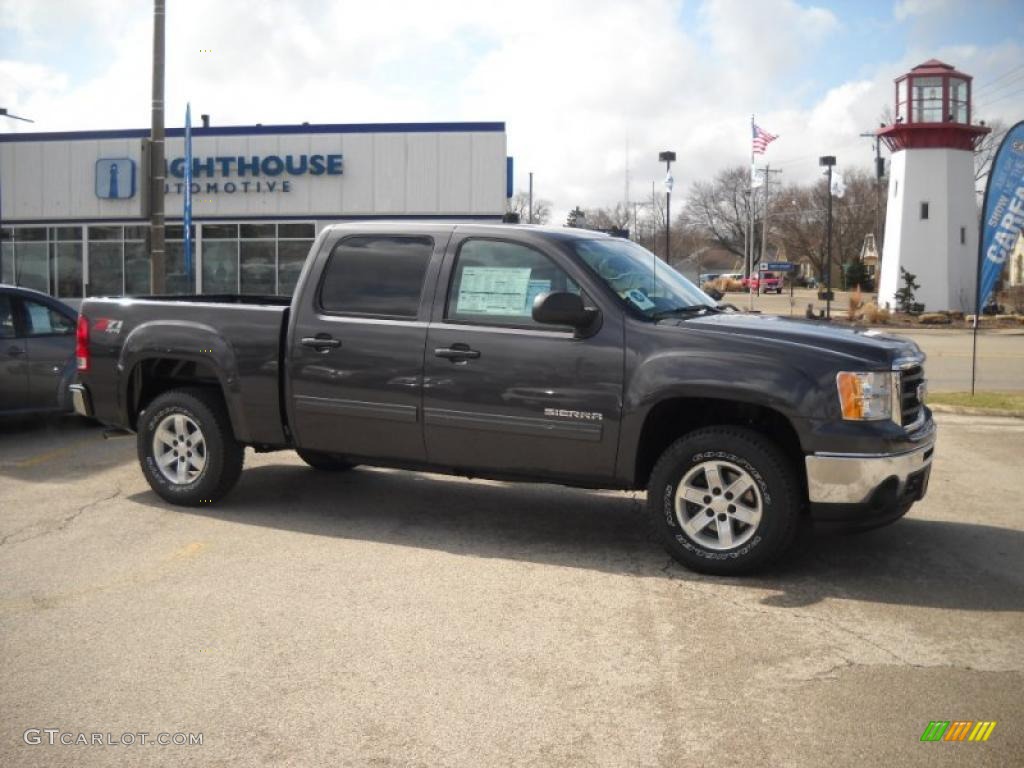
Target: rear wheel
{"points": [[186, 447], [327, 462], [724, 500]]}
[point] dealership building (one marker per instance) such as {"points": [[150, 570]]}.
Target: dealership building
{"points": [[74, 212]]}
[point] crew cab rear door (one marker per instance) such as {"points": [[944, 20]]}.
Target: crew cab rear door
{"points": [[355, 349], [505, 394]]}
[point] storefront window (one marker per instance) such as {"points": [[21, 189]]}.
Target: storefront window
{"points": [[291, 255], [257, 266], [69, 270], [220, 265], [136, 268], [106, 268]]}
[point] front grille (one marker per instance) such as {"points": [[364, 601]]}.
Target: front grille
{"points": [[910, 404]]}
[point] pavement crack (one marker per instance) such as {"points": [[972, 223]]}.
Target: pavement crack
{"points": [[62, 524]]}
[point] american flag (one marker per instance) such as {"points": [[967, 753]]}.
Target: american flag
{"points": [[761, 139]]}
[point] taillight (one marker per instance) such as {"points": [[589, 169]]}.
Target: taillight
{"points": [[82, 343]]}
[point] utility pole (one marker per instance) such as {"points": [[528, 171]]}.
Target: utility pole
{"points": [[157, 269], [879, 174], [767, 171], [529, 216]]}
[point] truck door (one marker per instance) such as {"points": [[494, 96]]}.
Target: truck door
{"points": [[506, 394], [355, 350], [50, 344], [13, 360]]}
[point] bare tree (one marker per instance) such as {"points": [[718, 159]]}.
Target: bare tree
{"points": [[520, 203], [985, 152], [720, 209]]}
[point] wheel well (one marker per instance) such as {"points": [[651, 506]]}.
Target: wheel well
{"points": [[671, 419], [157, 375]]}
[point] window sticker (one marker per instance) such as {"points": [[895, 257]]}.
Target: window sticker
{"points": [[494, 291], [638, 298]]}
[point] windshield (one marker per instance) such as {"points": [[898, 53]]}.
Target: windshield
{"points": [[640, 278]]}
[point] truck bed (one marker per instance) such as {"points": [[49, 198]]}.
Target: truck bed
{"points": [[236, 338]]}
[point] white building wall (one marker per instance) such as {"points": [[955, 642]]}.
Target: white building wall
{"points": [[931, 248], [412, 173]]}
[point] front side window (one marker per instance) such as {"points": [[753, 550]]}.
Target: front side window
{"points": [[376, 275], [495, 283], [639, 278], [43, 321]]}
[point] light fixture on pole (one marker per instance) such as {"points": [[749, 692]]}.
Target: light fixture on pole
{"points": [[827, 161], [5, 113], [668, 158]]}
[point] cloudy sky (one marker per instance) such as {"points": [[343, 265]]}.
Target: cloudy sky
{"points": [[576, 81]]}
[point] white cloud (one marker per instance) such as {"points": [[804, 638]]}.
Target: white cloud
{"points": [[574, 80]]}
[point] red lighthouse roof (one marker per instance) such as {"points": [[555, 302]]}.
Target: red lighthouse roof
{"points": [[933, 110]]}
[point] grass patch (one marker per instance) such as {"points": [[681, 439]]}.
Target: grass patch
{"points": [[1002, 401]]}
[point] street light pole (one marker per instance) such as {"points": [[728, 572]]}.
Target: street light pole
{"points": [[828, 161], [668, 157], [5, 113]]}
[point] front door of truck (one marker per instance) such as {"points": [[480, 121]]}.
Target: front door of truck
{"points": [[355, 349], [505, 394]]}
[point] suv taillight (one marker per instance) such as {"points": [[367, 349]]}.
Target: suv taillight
{"points": [[82, 343]]}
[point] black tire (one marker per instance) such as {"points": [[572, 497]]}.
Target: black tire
{"points": [[777, 497], [326, 462], [223, 454]]}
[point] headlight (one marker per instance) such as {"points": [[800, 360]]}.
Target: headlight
{"points": [[865, 396]]}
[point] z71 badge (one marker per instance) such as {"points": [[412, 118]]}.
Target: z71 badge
{"points": [[584, 415]]}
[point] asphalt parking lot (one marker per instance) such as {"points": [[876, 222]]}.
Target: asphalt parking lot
{"points": [[392, 618]]}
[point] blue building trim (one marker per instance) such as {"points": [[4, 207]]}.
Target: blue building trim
{"points": [[262, 130], [233, 219]]}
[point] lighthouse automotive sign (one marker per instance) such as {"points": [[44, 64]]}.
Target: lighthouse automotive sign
{"points": [[1003, 215]]}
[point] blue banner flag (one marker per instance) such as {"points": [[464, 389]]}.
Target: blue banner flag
{"points": [[1003, 213], [187, 214]]}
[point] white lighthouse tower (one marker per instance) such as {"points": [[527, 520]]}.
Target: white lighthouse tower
{"points": [[931, 224]]}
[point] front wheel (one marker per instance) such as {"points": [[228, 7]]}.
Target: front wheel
{"points": [[724, 500], [186, 447]]}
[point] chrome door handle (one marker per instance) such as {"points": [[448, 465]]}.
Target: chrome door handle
{"points": [[320, 343], [457, 352], [14, 351]]}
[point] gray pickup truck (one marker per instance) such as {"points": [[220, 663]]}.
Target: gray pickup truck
{"points": [[522, 353]]}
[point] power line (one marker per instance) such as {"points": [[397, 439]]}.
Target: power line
{"points": [[1003, 76], [988, 104]]}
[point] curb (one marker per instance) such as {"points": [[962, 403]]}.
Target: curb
{"points": [[966, 410]]}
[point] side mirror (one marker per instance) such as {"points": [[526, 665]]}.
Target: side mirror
{"points": [[562, 309]]}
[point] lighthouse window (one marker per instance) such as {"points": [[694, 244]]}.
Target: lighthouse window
{"points": [[926, 94], [957, 100], [924, 211], [963, 235]]}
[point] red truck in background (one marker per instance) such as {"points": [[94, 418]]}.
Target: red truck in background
{"points": [[765, 282]]}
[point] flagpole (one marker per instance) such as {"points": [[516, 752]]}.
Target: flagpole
{"points": [[750, 224], [187, 207]]}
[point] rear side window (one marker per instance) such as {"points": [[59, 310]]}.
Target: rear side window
{"points": [[378, 275], [43, 321]]}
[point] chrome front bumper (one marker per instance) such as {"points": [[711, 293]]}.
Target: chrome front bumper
{"points": [[845, 478], [80, 400]]}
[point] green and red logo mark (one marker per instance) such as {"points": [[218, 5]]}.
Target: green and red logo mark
{"points": [[958, 730]]}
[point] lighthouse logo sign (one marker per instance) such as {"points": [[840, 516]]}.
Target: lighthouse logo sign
{"points": [[115, 178]]}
